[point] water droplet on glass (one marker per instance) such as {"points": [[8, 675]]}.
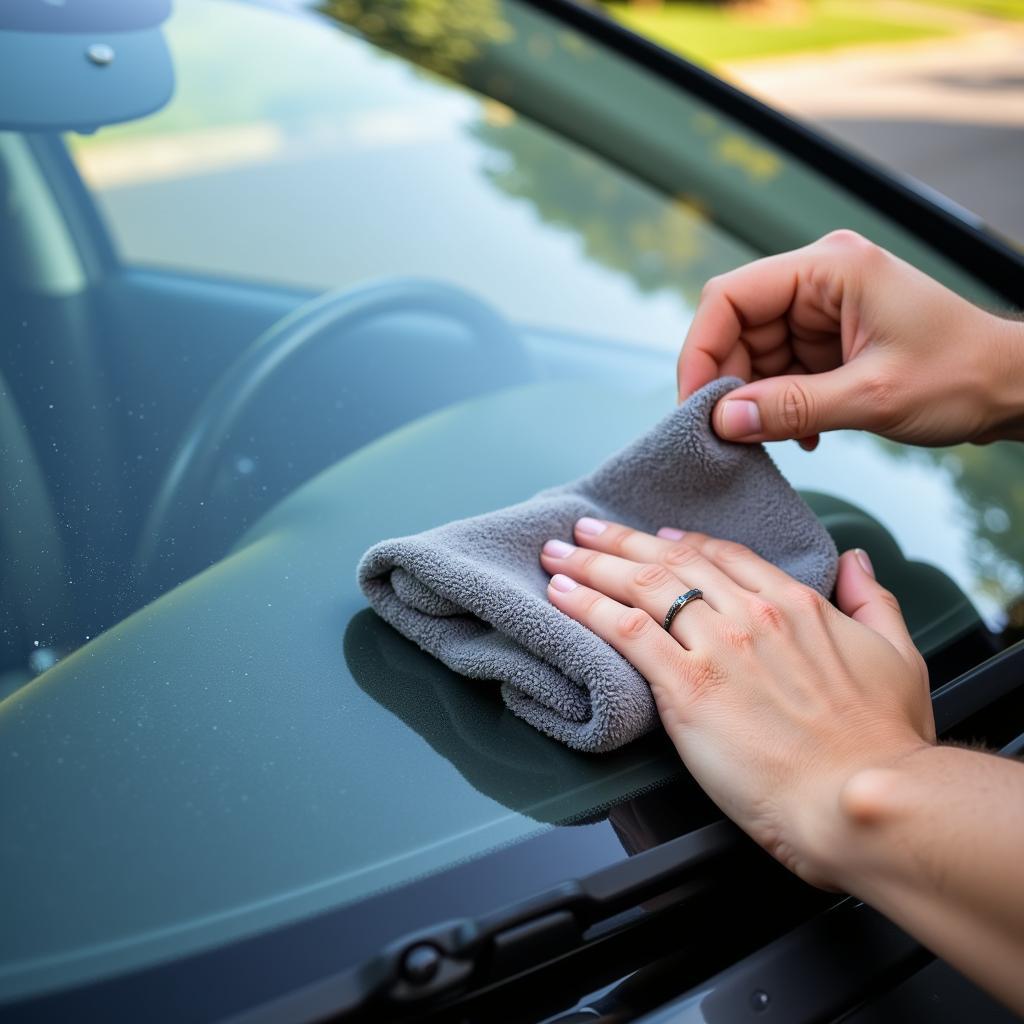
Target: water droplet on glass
{"points": [[41, 659]]}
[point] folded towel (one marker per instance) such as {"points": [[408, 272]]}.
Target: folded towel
{"points": [[473, 593]]}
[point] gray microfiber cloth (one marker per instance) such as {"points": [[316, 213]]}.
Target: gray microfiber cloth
{"points": [[473, 593]]}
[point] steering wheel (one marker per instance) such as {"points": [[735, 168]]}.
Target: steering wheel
{"points": [[193, 468]]}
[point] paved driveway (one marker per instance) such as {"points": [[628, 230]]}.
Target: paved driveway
{"points": [[949, 113]]}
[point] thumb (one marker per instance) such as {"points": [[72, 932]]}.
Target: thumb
{"points": [[863, 598], [796, 406]]}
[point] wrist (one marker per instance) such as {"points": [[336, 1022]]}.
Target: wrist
{"points": [[846, 832], [1004, 393]]}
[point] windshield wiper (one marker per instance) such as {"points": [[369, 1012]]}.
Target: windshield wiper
{"points": [[451, 958]]}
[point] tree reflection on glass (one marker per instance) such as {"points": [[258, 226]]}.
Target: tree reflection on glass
{"points": [[658, 241], [441, 35], [621, 223], [990, 483]]}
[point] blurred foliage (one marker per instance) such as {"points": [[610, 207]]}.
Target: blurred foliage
{"points": [[441, 35], [621, 224], [989, 480]]}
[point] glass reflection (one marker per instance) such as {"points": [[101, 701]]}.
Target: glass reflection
{"points": [[944, 507], [424, 139], [989, 483], [467, 723]]}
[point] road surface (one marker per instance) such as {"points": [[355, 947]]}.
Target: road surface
{"points": [[950, 112]]}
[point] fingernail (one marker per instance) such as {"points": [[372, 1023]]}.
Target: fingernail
{"points": [[563, 583], [591, 527], [865, 562], [558, 548], [671, 533], [740, 418]]}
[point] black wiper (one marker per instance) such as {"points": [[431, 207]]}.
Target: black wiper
{"points": [[454, 957], [434, 964], [450, 957], [799, 976]]}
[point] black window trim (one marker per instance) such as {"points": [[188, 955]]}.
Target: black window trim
{"points": [[985, 255]]}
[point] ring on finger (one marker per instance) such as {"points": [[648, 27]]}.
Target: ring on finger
{"points": [[679, 604]]}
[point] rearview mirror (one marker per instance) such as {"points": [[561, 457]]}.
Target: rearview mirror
{"points": [[69, 67]]}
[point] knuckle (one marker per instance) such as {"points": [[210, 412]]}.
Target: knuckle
{"points": [[703, 673], [737, 637], [633, 624], [766, 615], [681, 555], [651, 577], [889, 599], [727, 551], [585, 558], [796, 408], [806, 600], [618, 538], [712, 287], [590, 602], [849, 239]]}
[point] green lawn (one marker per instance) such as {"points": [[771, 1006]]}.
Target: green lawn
{"points": [[711, 35], [1010, 9]]}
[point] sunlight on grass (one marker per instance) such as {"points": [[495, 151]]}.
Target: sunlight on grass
{"points": [[711, 35], [1012, 9]]}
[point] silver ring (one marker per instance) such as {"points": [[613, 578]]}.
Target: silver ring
{"points": [[680, 603]]}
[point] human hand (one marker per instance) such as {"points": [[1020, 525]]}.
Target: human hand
{"points": [[774, 699], [842, 334]]}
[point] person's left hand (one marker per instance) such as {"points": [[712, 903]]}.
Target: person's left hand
{"points": [[774, 698]]}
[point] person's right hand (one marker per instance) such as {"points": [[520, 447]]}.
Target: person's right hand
{"points": [[842, 334]]}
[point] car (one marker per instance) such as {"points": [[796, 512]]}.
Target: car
{"points": [[282, 279]]}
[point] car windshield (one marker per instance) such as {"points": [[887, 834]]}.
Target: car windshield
{"points": [[287, 281]]}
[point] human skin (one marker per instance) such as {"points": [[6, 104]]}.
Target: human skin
{"points": [[843, 335], [810, 724]]}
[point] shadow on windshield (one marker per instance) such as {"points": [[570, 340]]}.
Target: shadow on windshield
{"points": [[499, 754]]}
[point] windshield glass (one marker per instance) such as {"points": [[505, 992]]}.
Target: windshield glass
{"points": [[319, 292]]}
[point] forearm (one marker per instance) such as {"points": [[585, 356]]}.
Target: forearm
{"points": [[937, 845]]}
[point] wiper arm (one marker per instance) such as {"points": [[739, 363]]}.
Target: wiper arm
{"points": [[439, 960], [453, 957]]}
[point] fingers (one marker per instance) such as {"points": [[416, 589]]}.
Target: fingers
{"points": [[862, 597], [631, 631], [775, 322], [750, 297], [797, 406], [778, 315], [745, 567], [691, 567], [649, 586], [716, 565]]}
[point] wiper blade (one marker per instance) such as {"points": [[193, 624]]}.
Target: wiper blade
{"points": [[435, 963], [452, 958], [445, 958]]}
